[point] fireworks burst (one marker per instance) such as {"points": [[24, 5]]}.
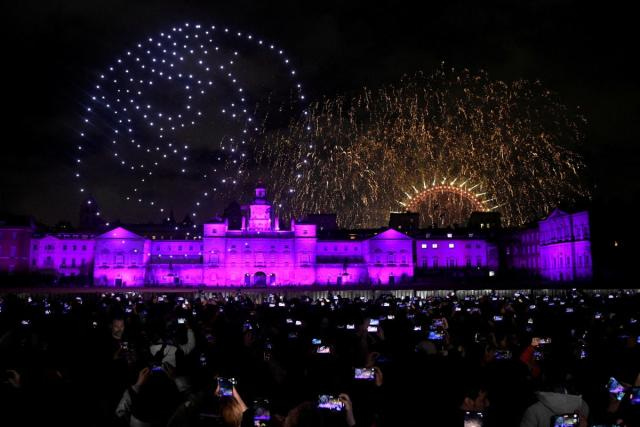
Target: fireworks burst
{"points": [[513, 144]]}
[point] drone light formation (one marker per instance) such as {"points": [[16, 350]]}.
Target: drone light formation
{"points": [[179, 109]]}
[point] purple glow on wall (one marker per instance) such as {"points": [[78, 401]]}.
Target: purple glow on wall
{"points": [[260, 254]]}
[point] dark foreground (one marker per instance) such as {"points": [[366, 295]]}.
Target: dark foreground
{"points": [[158, 356]]}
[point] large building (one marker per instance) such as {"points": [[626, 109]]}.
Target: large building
{"points": [[252, 249]]}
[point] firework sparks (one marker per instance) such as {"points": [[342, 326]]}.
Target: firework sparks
{"points": [[511, 143]]}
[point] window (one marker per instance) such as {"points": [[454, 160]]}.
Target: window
{"points": [[73, 262], [14, 235], [74, 247], [435, 262], [84, 247], [467, 246], [434, 245], [424, 246], [391, 259], [451, 245], [12, 251], [449, 235], [35, 247], [64, 247], [468, 261], [63, 263]]}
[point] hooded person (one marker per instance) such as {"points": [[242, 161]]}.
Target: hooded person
{"points": [[554, 402]]}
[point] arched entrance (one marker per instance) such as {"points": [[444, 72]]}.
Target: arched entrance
{"points": [[260, 280]]}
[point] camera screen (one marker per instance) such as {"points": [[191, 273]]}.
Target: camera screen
{"points": [[329, 402], [364, 374], [351, 326], [565, 420], [614, 386], [634, 396], [436, 336], [497, 318], [226, 386], [503, 354], [181, 320], [473, 419], [316, 341], [374, 322], [372, 329], [323, 349]]}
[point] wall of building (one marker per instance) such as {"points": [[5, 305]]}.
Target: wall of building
{"points": [[14, 248], [66, 255]]}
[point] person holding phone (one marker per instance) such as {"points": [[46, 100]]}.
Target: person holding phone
{"points": [[555, 400]]}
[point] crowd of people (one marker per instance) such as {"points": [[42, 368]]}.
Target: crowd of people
{"points": [[196, 359]]}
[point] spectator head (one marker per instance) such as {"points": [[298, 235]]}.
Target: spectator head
{"points": [[231, 411], [474, 398], [117, 327], [303, 415]]}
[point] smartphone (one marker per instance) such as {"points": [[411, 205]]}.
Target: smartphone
{"points": [[156, 368], [569, 310], [181, 320], [565, 420], [536, 341], [332, 403], [372, 329], [261, 413], [25, 322], [124, 345], [368, 374], [438, 323], [298, 323], [503, 354], [497, 318], [323, 349], [634, 395], [538, 354], [316, 341], [226, 386], [417, 328], [351, 326], [435, 336], [473, 419], [374, 322], [615, 388]]}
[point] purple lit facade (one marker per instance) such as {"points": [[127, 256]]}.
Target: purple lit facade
{"points": [[258, 254], [456, 251], [15, 236], [66, 254], [261, 253], [558, 248]]}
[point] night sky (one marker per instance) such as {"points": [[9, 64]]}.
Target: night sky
{"points": [[585, 53]]}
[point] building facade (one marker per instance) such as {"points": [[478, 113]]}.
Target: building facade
{"points": [[257, 251], [15, 236]]}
